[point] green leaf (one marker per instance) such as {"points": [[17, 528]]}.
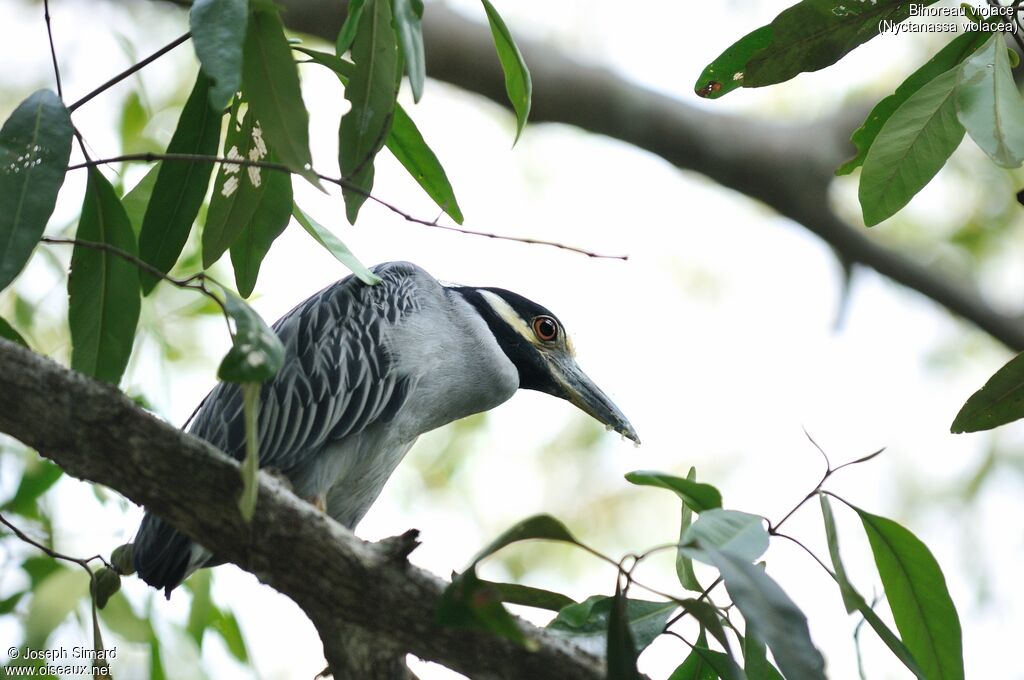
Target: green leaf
{"points": [[237, 190], [725, 73], [918, 597], [269, 221], [910, 148], [35, 145], [813, 34], [702, 664], [37, 479], [406, 144], [755, 659], [468, 602], [348, 29], [371, 90], [538, 527], [7, 332], [218, 33], [1000, 401], [409, 22], [103, 288], [136, 200], [334, 246], [201, 611], [527, 596], [698, 497], [853, 600], [227, 627], [8, 604], [767, 609], [622, 651], [738, 533], [250, 465], [952, 54], [270, 81], [989, 104], [518, 84], [256, 352], [684, 565], [180, 185], [52, 601], [710, 620], [590, 619], [832, 536]]}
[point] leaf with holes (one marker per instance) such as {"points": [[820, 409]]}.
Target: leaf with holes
{"points": [[918, 597], [256, 352], [270, 81], [372, 90], [334, 246], [910, 149], [725, 73], [989, 104], [180, 185], [218, 33], [35, 145], [103, 288], [518, 84]]}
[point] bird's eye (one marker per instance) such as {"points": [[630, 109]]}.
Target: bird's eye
{"points": [[545, 328]]}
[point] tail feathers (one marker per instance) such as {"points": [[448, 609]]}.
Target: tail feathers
{"points": [[163, 556]]}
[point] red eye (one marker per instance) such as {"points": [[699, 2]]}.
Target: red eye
{"points": [[545, 328]]}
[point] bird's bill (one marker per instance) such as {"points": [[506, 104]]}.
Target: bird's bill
{"points": [[581, 391]]}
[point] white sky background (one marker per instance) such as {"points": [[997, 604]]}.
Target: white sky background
{"points": [[716, 338]]}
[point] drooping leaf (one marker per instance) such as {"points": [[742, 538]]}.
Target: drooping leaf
{"points": [[755, 659], [725, 73], [238, 190], [918, 597], [518, 84], [372, 90], [256, 352], [406, 143], [7, 332], [270, 80], [250, 465], [695, 495], [271, 216], [527, 596], [990, 106], [348, 29], [590, 619], [468, 602], [684, 565], [201, 610], [702, 664], [230, 632], [124, 622], [710, 621], [334, 246], [218, 32], [103, 288], [621, 650], [855, 602], [52, 601], [737, 533], [813, 34], [409, 22], [136, 200], [180, 185], [910, 148], [35, 145], [1000, 401], [958, 49], [767, 609]]}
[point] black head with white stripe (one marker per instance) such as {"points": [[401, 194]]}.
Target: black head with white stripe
{"points": [[535, 341]]}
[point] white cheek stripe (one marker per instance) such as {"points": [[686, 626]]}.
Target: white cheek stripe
{"points": [[505, 311]]}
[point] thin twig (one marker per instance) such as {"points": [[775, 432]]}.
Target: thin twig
{"points": [[53, 51], [83, 562], [343, 183], [127, 72]]}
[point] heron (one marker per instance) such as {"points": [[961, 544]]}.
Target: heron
{"points": [[367, 370]]}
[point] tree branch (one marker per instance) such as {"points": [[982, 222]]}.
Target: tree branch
{"points": [[94, 432], [788, 167]]}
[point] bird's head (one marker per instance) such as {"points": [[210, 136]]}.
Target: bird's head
{"points": [[536, 342]]}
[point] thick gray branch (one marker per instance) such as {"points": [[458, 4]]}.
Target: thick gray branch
{"points": [[788, 167], [94, 432]]}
